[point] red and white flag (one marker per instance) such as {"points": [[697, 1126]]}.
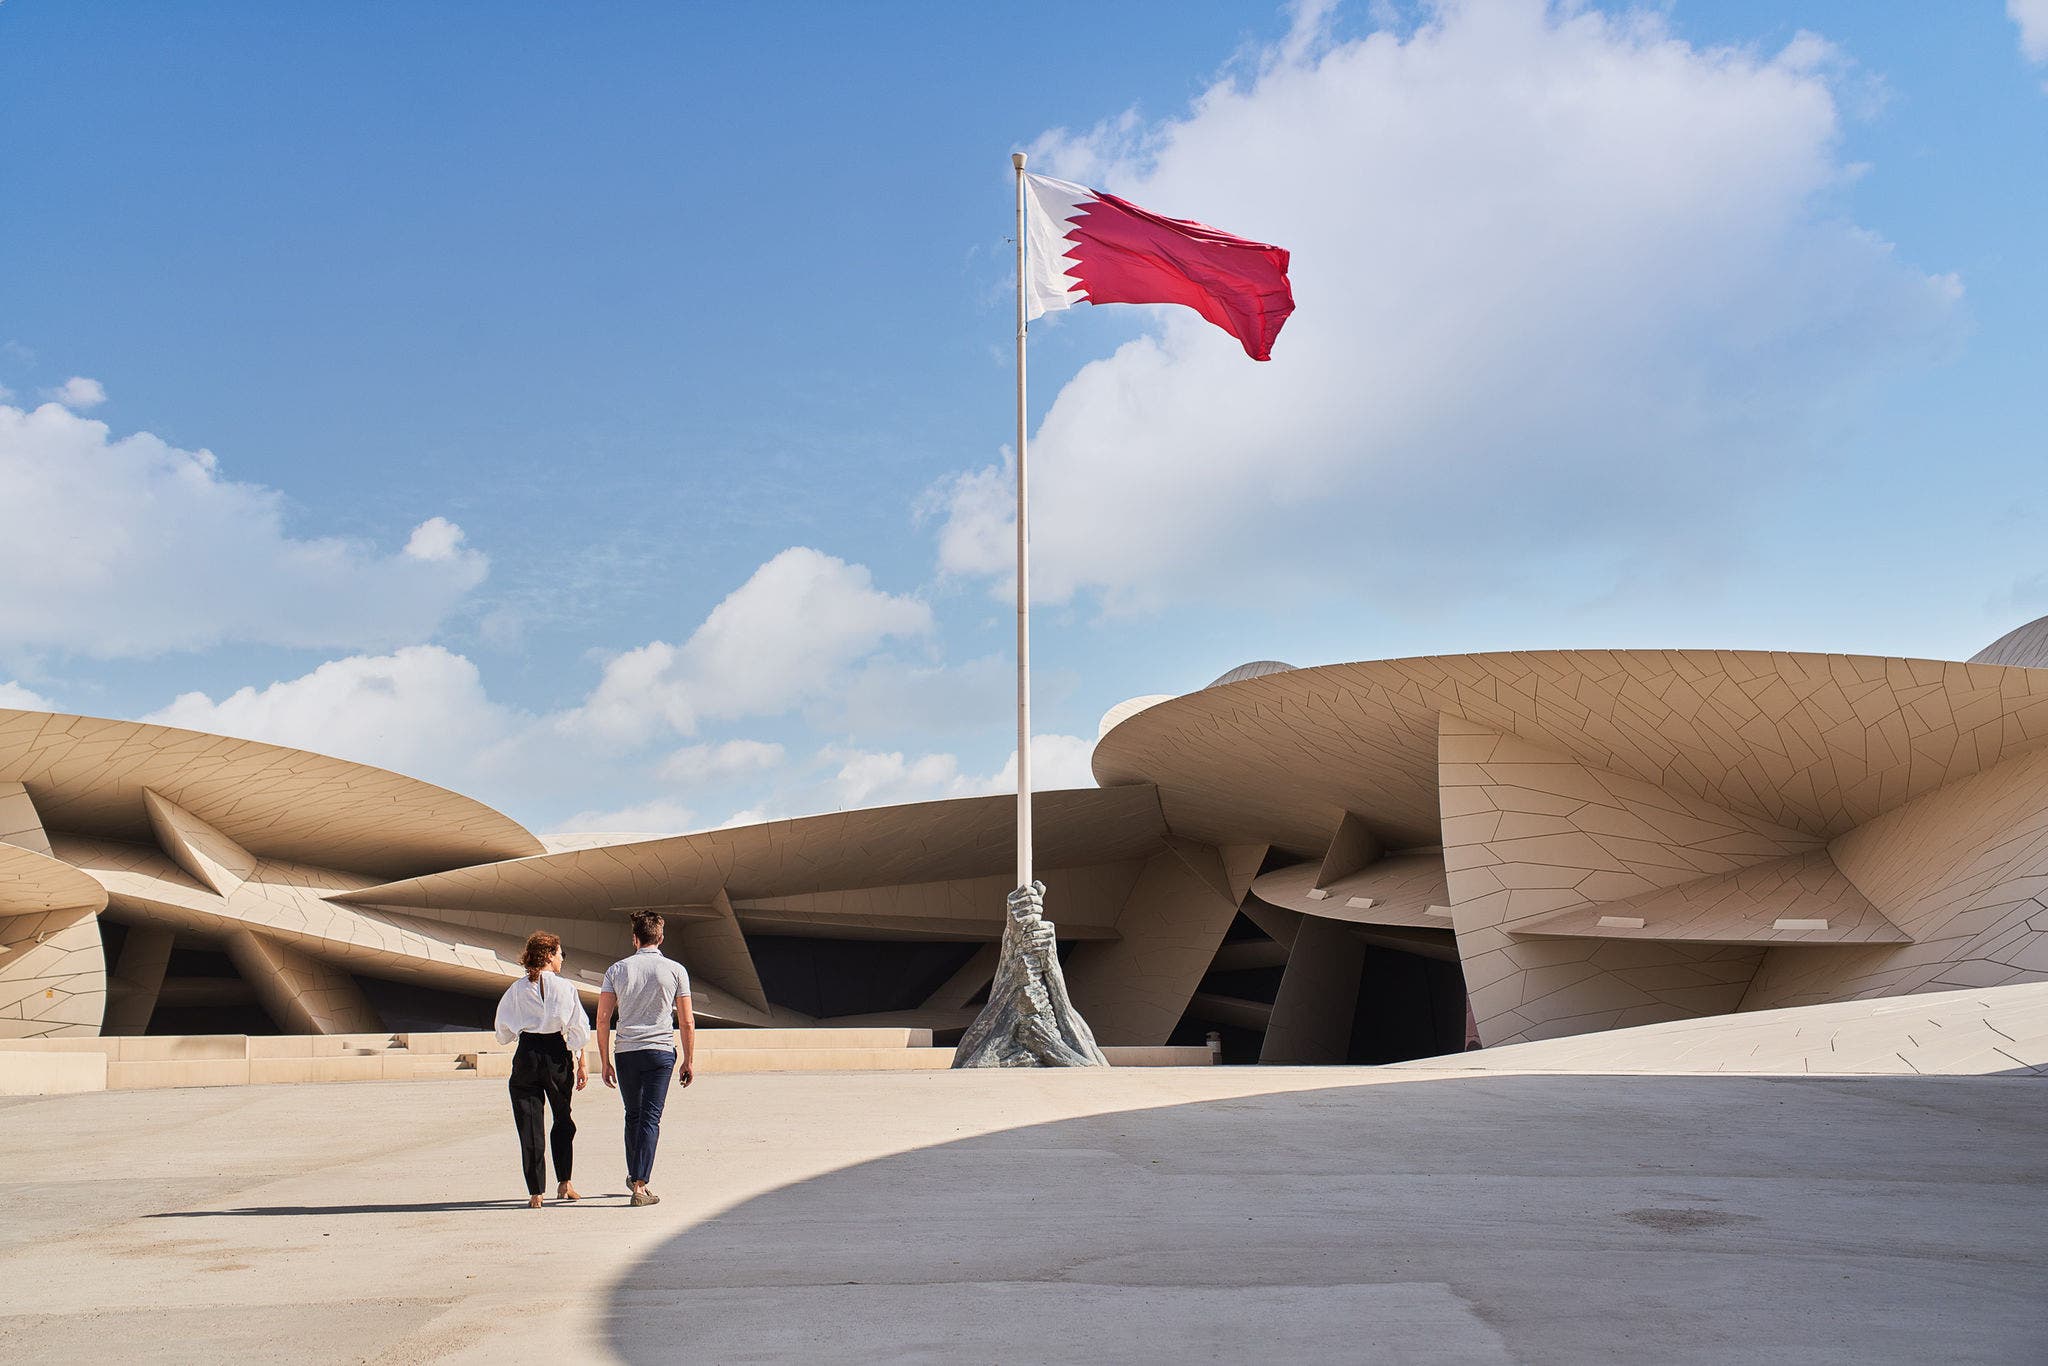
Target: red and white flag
{"points": [[1091, 247]]}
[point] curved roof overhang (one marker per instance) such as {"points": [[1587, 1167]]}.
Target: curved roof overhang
{"points": [[87, 774], [884, 846], [33, 883], [1817, 742]]}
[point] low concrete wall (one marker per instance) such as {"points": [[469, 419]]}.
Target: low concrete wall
{"points": [[242, 1060], [51, 1073], [1160, 1055]]}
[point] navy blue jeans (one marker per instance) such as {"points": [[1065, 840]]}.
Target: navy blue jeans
{"points": [[643, 1083]]}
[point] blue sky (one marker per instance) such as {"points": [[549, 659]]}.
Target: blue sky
{"points": [[1696, 324]]}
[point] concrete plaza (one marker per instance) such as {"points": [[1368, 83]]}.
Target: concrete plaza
{"points": [[1160, 1215]]}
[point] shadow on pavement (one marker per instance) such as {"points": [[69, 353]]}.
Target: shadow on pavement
{"points": [[1509, 1218]]}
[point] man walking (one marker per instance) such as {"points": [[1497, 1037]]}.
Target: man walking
{"points": [[649, 994]]}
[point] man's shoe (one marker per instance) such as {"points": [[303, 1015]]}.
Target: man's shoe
{"points": [[644, 1196]]}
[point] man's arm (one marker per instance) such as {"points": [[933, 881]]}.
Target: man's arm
{"points": [[686, 1026], [607, 1006]]}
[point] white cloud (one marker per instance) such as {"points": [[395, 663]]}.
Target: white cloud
{"points": [[846, 778], [1561, 277], [78, 393], [647, 818], [21, 699], [134, 547], [722, 762], [2032, 18], [802, 632], [783, 637], [421, 711], [887, 694], [436, 539], [1057, 761]]}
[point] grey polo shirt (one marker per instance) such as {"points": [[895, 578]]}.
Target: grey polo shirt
{"points": [[647, 985]]}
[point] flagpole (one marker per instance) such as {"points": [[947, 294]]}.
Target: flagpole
{"points": [[1023, 563]]}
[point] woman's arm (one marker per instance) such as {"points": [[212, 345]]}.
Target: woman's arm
{"points": [[503, 1022], [576, 1034]]}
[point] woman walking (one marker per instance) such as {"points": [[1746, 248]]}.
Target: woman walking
{"points": [[545, 1015]]}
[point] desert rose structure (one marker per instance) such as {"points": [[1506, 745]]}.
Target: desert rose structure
{"points": [[1360, 862]]}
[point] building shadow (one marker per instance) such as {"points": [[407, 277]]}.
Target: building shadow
{"points": [[1476, 1218]]}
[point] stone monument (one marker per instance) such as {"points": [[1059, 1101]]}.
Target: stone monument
{"points": [[1028, 1021]]}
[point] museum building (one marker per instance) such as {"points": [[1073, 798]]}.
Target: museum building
{"points": [[1363, 862]]}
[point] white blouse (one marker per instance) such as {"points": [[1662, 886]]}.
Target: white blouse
{"points": [[547, 1006]]}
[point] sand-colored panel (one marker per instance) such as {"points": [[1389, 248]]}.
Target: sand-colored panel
{"points": [[209, 856], [293, 903], [303, 994], [1353, 846], [1798, 899], [1817, 743], [1963, 870], [20, 824], [34, 883], [1318, 997], [137, 979], [715, 948], [88, 775], [1406, 889], [1089, 900], [1529, 834], [1133, 991], [889, 846], [53, 976]]}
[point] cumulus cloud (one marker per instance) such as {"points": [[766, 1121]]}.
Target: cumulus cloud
{"points": [[78, 393], [782, 638], [436, 539], [647, 818], [421, 710], [21, 699], [129, 547], [2032, 18], [804, 632], [845, 778], [1569, 289], [721, 762]]}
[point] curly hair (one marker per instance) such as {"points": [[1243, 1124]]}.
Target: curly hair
{"points": [[647, 927], [540, 946]]}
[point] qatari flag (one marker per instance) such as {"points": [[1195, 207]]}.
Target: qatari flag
{"points": [[1092, 247]]}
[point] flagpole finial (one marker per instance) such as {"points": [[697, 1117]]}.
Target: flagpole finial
{"points": [[1017, 160]]}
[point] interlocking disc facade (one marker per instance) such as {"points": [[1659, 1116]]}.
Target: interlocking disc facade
{"points": [[1358, 862]]}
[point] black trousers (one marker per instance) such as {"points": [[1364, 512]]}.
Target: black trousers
{"points": [[543, 1074]]}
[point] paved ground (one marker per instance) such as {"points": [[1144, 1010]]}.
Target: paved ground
{"points": [[1199, 1215]]}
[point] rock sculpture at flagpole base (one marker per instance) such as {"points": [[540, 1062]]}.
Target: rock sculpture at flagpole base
{"points": [[1029, 1020]]}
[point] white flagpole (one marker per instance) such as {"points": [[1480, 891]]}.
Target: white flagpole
{"points": [[1023, 563]]}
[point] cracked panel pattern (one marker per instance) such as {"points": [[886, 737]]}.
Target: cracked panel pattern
{"points": [[1775, 902], [879, 847], [1818, 743], [1529, 833], [1964, 871], [88, 774], [53, 975], [1406, 889], [288, 902]]}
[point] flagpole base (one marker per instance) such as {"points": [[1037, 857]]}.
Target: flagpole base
{"points": [[1029, 1020]]}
